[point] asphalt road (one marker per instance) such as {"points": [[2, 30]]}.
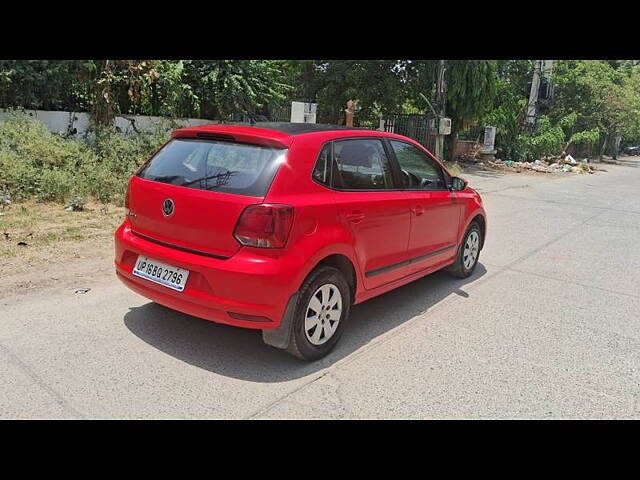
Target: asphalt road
{"points": [[547, 327]]}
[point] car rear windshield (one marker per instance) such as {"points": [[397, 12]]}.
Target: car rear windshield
{"points": [[214, 165]]}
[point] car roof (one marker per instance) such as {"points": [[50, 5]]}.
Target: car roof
{"points": [[297, 128], [277, 134]]}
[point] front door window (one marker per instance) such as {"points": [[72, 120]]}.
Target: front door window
{"points": [[419, 172]]}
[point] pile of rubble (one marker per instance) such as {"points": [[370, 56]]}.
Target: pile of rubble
{"points": [[550, 165]]}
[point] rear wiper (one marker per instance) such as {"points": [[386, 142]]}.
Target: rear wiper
{"points": [[221, 179], [168, 179]]}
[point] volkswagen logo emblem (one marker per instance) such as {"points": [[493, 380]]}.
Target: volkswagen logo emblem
{"points": [[167, 207]]}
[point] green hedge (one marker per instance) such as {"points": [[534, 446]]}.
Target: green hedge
{"points": [[38, 164]]}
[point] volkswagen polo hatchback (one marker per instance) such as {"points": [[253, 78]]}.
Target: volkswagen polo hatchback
{"points": [[283, 227]]}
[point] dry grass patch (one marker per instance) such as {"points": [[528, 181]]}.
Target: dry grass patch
{"points": [[34, 232]]}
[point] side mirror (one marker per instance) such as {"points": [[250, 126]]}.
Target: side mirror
{"points": [[458, 184]]}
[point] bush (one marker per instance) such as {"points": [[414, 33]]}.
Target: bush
{"points": [[586, 138], [55, 185], [547, 141], [35, 163], [31, 141]]}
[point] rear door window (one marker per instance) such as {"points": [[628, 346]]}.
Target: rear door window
{"points": [[361, 164], [214, 165]]}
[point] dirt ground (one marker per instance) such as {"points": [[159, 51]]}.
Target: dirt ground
{"points": [[44, 244]]}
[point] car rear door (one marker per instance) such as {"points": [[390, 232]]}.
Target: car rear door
{"points": [[192, 192], [371, 207], [435, 210]]}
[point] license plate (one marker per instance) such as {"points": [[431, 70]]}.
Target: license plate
{"points": [[158, 272]]}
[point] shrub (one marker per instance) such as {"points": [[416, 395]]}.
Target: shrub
{"points": [[55, 185], [35, 163], [586, 138], [547, 141], [31, 141]]}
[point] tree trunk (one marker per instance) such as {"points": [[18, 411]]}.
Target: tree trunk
{"points": [[155, 99], [604, 146], [617, 138], [102, 112]]}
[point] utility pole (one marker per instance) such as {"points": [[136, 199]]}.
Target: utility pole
{"points": [[543, 69], [441, 100], [547, 68], [533, 96]]}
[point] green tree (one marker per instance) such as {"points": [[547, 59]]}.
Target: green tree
{"points": [[45, 84], [140, 87], [507, 113], [604, 96], [224, 87], [471, 88], [378, 85]]}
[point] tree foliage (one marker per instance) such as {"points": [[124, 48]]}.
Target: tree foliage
{"points": [[184, 88], [378, 85], [45, 84], [223, 87], [604, 95], [471, 88], [602, 98], [593, 100]]}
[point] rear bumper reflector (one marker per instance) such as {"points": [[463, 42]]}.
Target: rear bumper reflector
{"points": [[249, 318]]}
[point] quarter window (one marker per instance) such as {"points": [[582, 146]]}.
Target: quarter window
{"points": [[362, 164], [419, 172], [322, 170]]}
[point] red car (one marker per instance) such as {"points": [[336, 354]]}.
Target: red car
{"points": [[282, 226]]}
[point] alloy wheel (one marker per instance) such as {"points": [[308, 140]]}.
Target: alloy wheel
{"points": [[471, 249], [323, 314]]}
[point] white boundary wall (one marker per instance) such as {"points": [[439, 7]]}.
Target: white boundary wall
{"points": [[64, 122]]}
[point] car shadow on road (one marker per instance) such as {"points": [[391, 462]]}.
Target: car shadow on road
{"points": [[240, 353]]}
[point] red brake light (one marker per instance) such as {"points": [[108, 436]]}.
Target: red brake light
{"points": [[265, 225]]}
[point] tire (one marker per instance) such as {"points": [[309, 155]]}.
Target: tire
{"points": [[312, 343], [459, 269]]}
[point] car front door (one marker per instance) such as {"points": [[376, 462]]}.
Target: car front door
{"points": [[372, 207], [435, 211]]}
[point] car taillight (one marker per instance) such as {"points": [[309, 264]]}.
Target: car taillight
{"points": [[265, 225]]}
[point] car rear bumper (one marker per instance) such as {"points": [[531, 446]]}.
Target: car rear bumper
{"points": [[247, 290]]}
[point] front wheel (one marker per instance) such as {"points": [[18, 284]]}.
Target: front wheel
{"points": [[468, 253], [323, 307]]}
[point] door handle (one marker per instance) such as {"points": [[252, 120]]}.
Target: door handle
{"points": [[418, 210], [355, 217]]}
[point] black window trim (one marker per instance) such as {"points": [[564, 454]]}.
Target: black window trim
{"points": [[445, 175], [393, 165]]}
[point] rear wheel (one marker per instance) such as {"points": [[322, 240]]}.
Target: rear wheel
{"points": [[323, 307], [468, 253]]}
